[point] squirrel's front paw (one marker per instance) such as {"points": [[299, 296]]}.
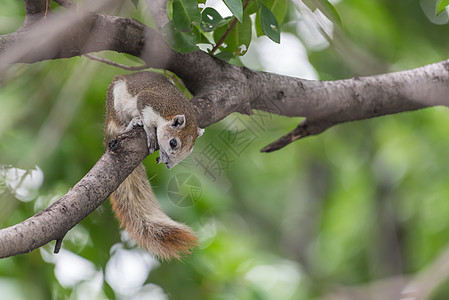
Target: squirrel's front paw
{"points": [[152, 144], [151, 139], [136, 121]]}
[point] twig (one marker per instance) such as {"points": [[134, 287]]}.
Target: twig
{"points": [[109, 62], [58, 244], [298, 133], [304, 129], [225, 35], [47, 7]]}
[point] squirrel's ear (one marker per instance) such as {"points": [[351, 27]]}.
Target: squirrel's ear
{"points": [[178, 122], [200, 131]]}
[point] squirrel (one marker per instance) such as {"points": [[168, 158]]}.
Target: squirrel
{"points": [[152, 101]]}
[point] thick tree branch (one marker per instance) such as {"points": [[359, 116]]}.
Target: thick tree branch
{"points": [[327, 103], [219, 89], [121, 158]]}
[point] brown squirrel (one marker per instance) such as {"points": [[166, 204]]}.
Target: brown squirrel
{"points": [[152, 101]]}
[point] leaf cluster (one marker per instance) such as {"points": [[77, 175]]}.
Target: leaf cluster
{"points": [[192, 23]]}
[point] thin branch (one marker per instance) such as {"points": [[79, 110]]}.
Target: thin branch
{"points": [[58, 245], [47, 7], [109, 62], [225, 35], [296, 134]]}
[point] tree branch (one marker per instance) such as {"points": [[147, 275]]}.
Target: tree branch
{"points": [[118, 65], [120, 159], [327, 103], [230, 27], [34, 10]]}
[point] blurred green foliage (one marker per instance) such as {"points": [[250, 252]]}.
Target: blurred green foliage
{"points": [[361, 202]]}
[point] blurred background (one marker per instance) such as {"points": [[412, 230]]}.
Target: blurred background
{"points": [[348, 214]]}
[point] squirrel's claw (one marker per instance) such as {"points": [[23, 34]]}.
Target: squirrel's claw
{"points": [[136, 121], [152, 142], [152, 145]]}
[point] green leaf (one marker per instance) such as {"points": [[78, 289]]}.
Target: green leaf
{"points": [[269, 24], [236, 7], [330, 12], [238, 39], [204, 39], [185, 13], [277, 7], [441, 6], [251, 8], [211, 20], [180, 41], [170, 9]]}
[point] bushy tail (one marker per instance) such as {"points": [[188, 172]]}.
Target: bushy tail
{"points": [[140, 215]]}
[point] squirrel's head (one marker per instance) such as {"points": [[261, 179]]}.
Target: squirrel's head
{"points": [[176, 139]]}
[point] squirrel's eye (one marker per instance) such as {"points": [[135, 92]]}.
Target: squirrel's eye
{"points": [[173, 143]]}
